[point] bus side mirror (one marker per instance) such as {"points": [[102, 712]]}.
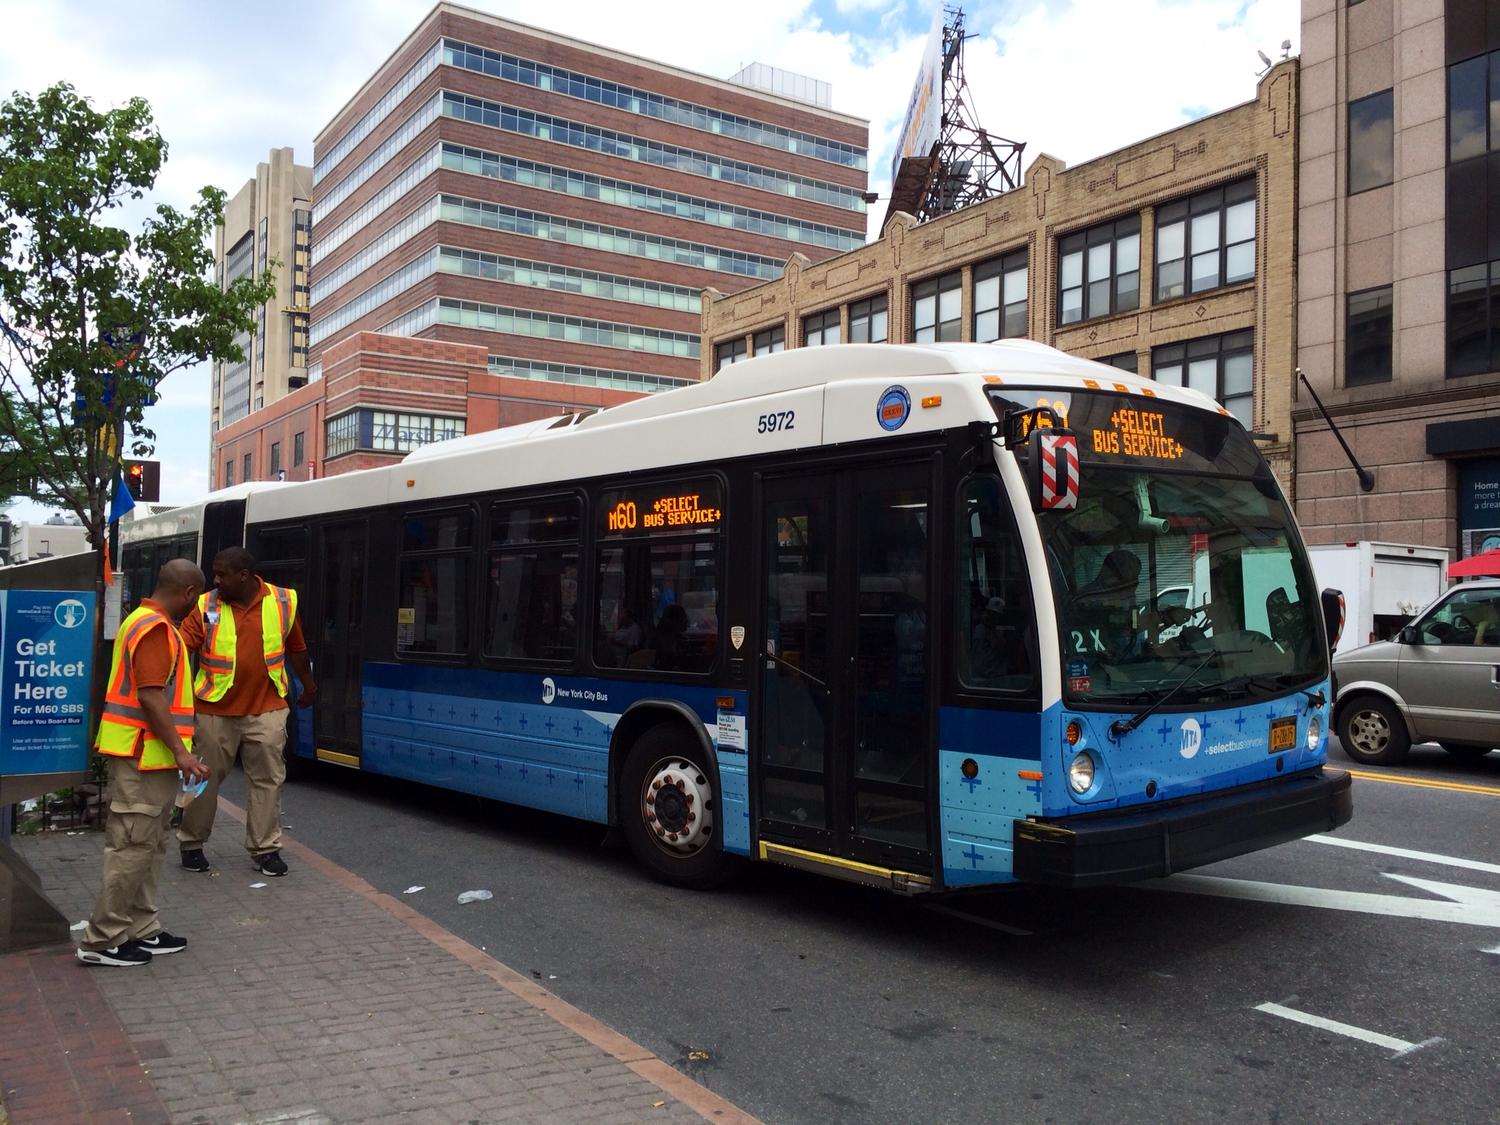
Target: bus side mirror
{"points": [[1052, 469], [1333, 617]]}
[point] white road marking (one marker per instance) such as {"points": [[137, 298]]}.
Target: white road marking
{"points": [[1015, 931], [1469, 906], [1406, 853], [1389, 1042], [1491, 949]]}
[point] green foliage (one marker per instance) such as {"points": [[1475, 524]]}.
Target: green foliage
{"points": [[88, 307]]}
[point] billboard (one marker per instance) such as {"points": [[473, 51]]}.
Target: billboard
{"points": [[47, 638], [924, 112]]}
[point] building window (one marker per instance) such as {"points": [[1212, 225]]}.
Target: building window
{"points": [[1474, 319], [434, 607], [869, 321], [299, 448], [821, 328], [1222, 367], [1125, 361], [937, 309], [391, 432], [275, 458], [1099, 271], [228, 472], [771, 340], [1473, 103], [1367, 348], [249, 467], [532, 606], [1206, 241], [1000, 298], [730, 352], [1371, 142], [341, 434]]}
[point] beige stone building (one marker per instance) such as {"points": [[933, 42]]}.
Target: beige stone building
{"points": [[269, 219], [1399, 264], [1173, 257]]}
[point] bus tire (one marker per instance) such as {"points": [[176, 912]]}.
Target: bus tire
{"points": [[669, 812], [1372, 731]]}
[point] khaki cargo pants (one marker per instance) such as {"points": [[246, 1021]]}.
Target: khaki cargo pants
{"points": [[135, 840], [258, 741]]}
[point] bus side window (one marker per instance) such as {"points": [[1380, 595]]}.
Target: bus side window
{"points": [[996, 635], [531, 600], [433, 609]]}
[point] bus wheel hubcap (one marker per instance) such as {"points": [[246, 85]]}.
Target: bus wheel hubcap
{"points": [[678, 805], [1368, 731]]}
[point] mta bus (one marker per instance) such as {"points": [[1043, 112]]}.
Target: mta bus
{"points": [[923, 617]]}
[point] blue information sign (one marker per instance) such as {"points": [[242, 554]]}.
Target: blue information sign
{"points": [[46, 661]]}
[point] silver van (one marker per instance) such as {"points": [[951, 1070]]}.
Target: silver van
{"points": [[1438, 680]]}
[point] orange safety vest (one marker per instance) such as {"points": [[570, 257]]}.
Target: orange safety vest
{"points": [[216, 658], [124, 731]]}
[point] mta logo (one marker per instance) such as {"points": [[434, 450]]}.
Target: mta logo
{"points": [[549, 690], [70, 613], [1192, 738]]}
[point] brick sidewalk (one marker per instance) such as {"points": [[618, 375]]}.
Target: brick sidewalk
{"points": [[315, 998]]}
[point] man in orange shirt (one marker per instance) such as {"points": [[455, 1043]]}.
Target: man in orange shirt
{"points": [[145, 732], [245, 632]]}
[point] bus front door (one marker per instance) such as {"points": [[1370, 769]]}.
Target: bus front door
{"points": [[845, 664], [337, 720]]}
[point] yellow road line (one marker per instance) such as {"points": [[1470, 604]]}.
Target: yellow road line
{"points": [[1424, 783]]}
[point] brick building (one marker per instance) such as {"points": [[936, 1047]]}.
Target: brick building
{"points": [[550, 211], [1172, 257], [1399, 264]]}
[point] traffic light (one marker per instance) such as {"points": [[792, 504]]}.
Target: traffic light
{"points": [[143, 480]]}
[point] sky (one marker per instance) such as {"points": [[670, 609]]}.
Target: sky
{"points": [[229, 82]]}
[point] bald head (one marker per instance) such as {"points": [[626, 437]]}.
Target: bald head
{"points": [[178, 584]]}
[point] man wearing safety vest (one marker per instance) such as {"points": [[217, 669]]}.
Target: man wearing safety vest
{"points": [[146, 732], [244, 631]]}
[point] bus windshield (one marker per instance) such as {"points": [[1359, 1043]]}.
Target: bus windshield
{"points": [[1180, 570]]}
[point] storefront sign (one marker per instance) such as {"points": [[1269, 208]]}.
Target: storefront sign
{"points": [[1479, 505], [46, 663]]}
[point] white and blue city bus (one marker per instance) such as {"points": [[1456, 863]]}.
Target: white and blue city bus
{"points": [[810, 612]]}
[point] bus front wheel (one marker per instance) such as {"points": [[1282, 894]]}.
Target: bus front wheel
{"points": [[669, 812]]}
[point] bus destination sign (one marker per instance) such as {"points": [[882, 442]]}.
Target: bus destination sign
{"points": [[1137, 433], [634, 511]]}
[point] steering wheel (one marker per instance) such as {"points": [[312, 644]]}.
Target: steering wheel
{"points": [[1462, 623]]}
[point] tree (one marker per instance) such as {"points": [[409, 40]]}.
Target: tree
{"points": [[93, 316]]}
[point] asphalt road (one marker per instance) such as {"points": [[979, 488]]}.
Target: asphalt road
{"points": [[802, 999]]}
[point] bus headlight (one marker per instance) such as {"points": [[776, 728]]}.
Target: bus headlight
{"points": [[1314, 732], [1081, 772]]}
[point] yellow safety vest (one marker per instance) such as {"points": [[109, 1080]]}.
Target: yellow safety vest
{"points": [[278, 609], [124, 731]]}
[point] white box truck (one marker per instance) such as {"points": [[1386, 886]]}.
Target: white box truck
{"points": [[1384, 585]]}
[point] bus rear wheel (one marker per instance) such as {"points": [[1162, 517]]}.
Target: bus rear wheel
{"points": [[668, 810]]}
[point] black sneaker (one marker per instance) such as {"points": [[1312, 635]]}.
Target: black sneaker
{"points": [[120, 956], [195, 860], [269, 864], [161, 943]]}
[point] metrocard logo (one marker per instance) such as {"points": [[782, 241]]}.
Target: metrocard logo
{"points": [[1192, 738], [549, 690], [70, 613]]}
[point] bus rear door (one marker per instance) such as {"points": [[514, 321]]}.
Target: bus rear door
{"points": [[339, 642]]}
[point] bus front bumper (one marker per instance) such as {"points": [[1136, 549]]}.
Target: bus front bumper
{"points": [[1124, 845]]}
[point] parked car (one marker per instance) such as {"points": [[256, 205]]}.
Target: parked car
{"points": [[1437, 681]]}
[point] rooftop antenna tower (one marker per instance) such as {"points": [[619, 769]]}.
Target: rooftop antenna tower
{"points": [[966, 163]]}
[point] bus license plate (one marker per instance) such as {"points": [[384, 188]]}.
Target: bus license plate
{"points": [[1283, 734]]}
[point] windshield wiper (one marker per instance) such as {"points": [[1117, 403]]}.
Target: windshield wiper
{"points": [[1270, 683], [1121, 727]]}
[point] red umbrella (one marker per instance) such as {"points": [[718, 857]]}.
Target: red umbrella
{"points": [[1486, 565]]}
